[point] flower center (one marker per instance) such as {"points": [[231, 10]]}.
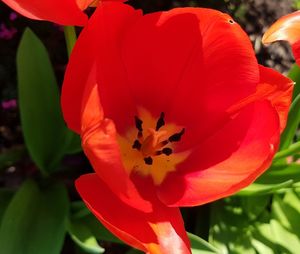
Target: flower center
{"points": [[148, 148], [155, 142]]}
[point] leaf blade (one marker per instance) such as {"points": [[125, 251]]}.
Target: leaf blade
{"points": [[34, 221], [43, 127]]}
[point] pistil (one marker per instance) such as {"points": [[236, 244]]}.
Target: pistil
{"points": [[156, 140]]}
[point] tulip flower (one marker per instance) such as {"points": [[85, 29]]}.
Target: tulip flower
{"points": [[287, 28], [173, 111], [64, 12]]}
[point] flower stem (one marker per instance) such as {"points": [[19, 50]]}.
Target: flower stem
{"points": [[294, 148], [70, 37]]}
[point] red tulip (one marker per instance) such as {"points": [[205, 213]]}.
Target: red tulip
{"points": [[287, 28], [64, 12], [173, 110]]}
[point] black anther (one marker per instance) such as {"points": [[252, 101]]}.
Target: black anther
{"points": [[160, 121], [167, 151], [137, 145], [148, 160], [177, 136], [138, 123]]}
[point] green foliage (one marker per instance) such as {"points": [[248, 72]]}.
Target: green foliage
{"points": [[280, 173], [200, 246], [285, 222], [292, 124], [80, 214], [294, 114], [82, 235], [230, 228], [46, 135], [5, 197], [294, 74], [236, 225], [290, 151], [266, 224], [263, 189], [85, 229], [297, 4], [35, 220]]}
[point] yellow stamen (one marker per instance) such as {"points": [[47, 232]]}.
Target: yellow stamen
{"points": [[153, 141]]}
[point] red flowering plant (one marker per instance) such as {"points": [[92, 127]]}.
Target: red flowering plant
{"points": [[64, 12], [173, 110]]}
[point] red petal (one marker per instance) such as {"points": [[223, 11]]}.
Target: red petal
{"points": [[287, 28], [222, 71], [115, 94], [78, 76], [227, 161], [272, 86], [186, 72], [100, 144], [160, 231], [83, 112], [278, 89], [174, 66], [64, 12], [155, 52], [97, 47]]}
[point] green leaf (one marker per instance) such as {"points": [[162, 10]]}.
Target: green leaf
{"points": [[34, 221], [290, 151], [287, 211], [286, 241], [74, 143], [200, 246], [285, 221], [254, 206], [262, 238], [280, 173], [99, 231], [294, 114], [79, 212], [70, 37], [43, 127], [292, 198], [263, 189], [83, 237], [5, 197], [292, 124], [294, 74], [230, 229]]}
